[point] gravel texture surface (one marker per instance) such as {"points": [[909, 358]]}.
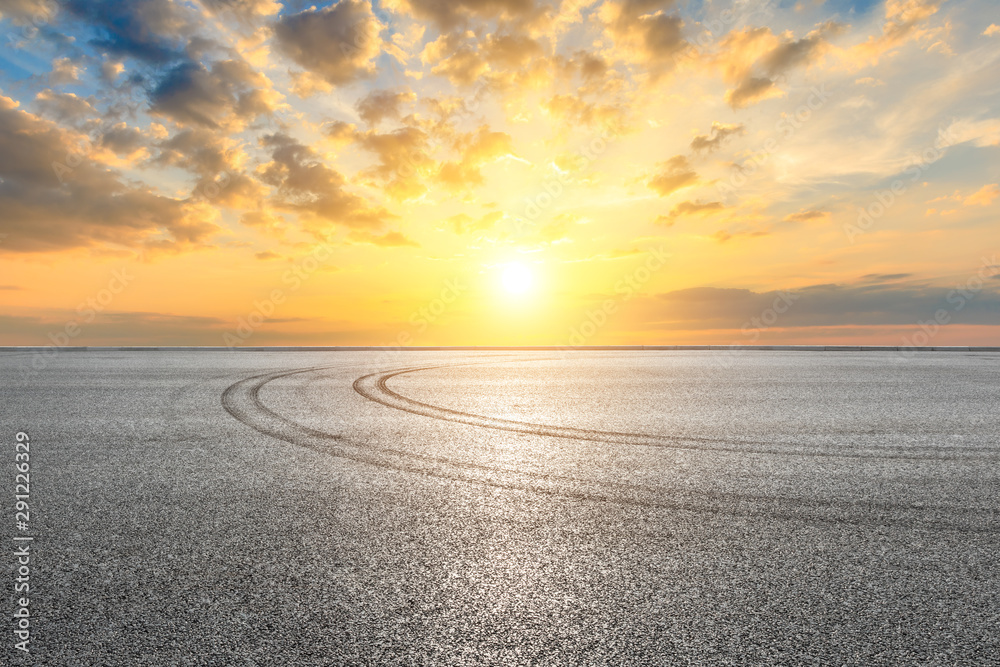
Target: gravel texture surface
{"points": [[484, 508]]}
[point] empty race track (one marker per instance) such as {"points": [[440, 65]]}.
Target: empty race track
{"points": [[513, 507]]}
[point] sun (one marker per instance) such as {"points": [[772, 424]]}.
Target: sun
{"points": [[517, 279]]}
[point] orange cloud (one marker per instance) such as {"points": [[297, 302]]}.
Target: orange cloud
{"points": [[673, 174], [984, 196]]}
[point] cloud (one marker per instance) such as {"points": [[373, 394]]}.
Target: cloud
{"points": [[116, 328], [244, 8], [884, 277], [229, 95], [722, 236], [511, 51], [558, 228], [455, 57], [690, 208], [404, 164], [806, 215], [50, 205], [589, 65], [673, 174], [981, 133], [715, 138], [476, 149], [266, 255], [23, 12], [137, 29], [902, 22], [306, 185], [217, 161], [754, 59], [387, 240], [462, 223], [992, 30], [984, 196], [341, 133], [122, 139], [64, 71], [852, 304], [264, 221], [67, 107], [449, 13], [200, 151], [337, 43], [644, 33], [573, 110], [751, 90], [378, 105]]}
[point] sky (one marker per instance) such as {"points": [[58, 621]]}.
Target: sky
{"points": [[499, 172]]}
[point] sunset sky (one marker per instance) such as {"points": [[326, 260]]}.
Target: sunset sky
{"points": [[477, 172]]}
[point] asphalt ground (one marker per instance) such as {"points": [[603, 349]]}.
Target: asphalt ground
{"points": [[483, 508]]}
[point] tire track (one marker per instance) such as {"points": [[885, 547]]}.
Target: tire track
{"points": [[242, 400], [374, 387]]}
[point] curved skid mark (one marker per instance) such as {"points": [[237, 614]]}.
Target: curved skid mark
{"points": [[242, 401], [374, 387]]}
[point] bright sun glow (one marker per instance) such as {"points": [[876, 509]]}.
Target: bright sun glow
{"points": [[517, 279]]}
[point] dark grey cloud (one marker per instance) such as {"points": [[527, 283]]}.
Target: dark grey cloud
{"points": [[716, 137], [749, 90], [885, 277], [193, 94], [145, 29], [379, 105], [806, 215], [336, 43], [122, 139], [198, 150], [859, 304]]}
